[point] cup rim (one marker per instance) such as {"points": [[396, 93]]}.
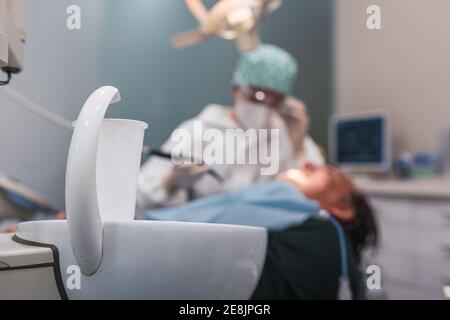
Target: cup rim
{"points": [[137, 122]]}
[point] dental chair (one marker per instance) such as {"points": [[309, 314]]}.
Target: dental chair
{"points": [[101, 252]]}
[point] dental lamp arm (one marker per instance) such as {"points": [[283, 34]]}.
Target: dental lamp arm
{"points": [[198, 10], [237, 20]]}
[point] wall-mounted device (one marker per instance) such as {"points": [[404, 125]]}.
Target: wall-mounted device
{"points": [[13, 34], [361, 142]]}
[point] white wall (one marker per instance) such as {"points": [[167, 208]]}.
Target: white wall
{"points": [[61, 70], [404, 68]]}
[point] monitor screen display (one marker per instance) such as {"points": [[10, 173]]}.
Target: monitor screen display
{"points": [[360, 141]]}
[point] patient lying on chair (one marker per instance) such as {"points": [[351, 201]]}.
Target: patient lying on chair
{"points": [[303, 259]]}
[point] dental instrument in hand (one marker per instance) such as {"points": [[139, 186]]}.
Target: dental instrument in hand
{"points": [[165, 155]]}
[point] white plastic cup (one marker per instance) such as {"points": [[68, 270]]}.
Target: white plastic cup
{"points": [[118, 162]]}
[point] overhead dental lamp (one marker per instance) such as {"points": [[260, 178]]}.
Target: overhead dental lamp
{"points": [[12, 37], [237, 20]]}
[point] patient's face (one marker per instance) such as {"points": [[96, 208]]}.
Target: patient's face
{"points": [[327, 185]]}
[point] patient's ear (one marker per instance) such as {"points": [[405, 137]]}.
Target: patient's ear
{"points": [[343, 214]]}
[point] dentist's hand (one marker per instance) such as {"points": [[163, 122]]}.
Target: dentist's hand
{"points": [[184, 176]]}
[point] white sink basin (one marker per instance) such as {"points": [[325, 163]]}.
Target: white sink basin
{"points": [[162, 260], [119, 258]]}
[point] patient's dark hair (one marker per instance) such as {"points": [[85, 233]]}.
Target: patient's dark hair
{"points": [[362, 231]]}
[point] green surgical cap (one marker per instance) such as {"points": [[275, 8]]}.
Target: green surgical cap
{"points": [[267, 67]]}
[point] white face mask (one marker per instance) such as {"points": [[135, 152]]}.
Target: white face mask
{"points": [[258, 116], [286, 149], [253, 115]]}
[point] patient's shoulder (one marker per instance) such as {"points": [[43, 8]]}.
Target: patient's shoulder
{"points": [[313, 233]]}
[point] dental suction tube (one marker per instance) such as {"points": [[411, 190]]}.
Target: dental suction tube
{"points": [[36, 109]]}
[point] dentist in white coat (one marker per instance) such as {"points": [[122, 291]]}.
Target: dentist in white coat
{"points": [[262, 80]]}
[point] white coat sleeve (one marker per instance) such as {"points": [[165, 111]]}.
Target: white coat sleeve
{"points": [[151, 189], [312, 153]]}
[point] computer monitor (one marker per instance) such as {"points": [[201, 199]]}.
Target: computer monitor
{"points": [[361, 142]]}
